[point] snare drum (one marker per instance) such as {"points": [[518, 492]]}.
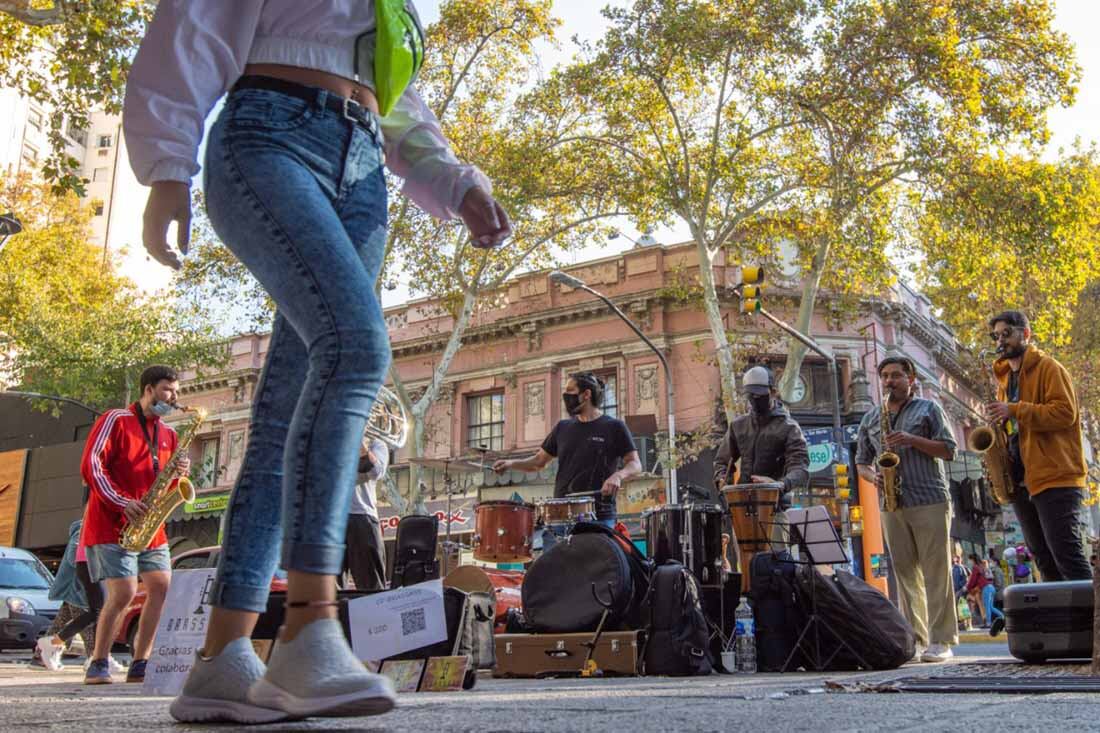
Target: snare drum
{"points": [[666, 530], [504, 585], [752, 510], [568, 510], [503, 531]]}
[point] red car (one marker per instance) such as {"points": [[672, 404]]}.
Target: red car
{"points": [[204, 557]]}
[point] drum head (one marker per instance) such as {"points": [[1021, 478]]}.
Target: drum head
{"points": [[469, 578], [504, 504]]}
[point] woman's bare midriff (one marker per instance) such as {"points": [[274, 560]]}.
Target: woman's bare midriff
{"points": [[314, 78]]}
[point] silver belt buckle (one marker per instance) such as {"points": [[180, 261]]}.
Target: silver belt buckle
{"points": [[347, 114]]}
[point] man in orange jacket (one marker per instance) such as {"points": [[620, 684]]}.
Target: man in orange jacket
{"points": [[1038, 407]]}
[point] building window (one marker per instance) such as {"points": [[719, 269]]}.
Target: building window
{"points": [[100, 174], [99, 208], [610, 405], [485, 421], [78, 136], [104, 141], [35, 119], [208, 464], [30, 154]]}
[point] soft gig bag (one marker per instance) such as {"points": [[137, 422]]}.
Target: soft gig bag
{"points": [[861, 616], [778, 614], [677, 638], [1049, 620], [557, 589], [414, 558]]}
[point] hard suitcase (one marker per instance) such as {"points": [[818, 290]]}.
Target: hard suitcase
{"points": [[1049, 620], [563, 655]]}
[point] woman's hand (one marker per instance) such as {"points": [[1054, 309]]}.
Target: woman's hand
{"points": [[487, 223], [168, 201]]}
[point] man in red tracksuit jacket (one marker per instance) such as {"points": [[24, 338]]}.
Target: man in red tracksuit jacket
{"points": [[122, 457]]}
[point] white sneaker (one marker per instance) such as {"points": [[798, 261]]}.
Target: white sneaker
{"points": [[50, 654], [918, 654], [318, 674], [216, 689], [937, 653]]}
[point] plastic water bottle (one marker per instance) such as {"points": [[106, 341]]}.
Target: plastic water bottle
{"points": [[745, 635]]}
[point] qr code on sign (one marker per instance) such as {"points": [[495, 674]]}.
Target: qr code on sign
{"points": [[413, 621]]}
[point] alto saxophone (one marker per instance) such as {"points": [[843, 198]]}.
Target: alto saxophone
{"points": [[888, 462], [990, 442], [162, 498]]}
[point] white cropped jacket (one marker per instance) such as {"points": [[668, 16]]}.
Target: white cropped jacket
{"points": [[195, 50]]}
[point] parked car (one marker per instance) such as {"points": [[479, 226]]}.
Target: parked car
{"points": [[26, 610], [204, 557]]}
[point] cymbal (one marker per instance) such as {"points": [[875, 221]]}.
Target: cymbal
{"points": [[448, 465]]}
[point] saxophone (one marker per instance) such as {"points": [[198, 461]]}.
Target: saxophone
{"points": [[888, 462], [162, 498], [990, 442]]}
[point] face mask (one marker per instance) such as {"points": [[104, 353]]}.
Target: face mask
{"points": [[761, 404], [161, 409], [572, 402]]}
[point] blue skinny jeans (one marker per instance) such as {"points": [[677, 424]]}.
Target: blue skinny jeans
{"points": [[298, 193]]}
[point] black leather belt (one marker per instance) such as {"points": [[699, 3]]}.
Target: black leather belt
{"points": [[349, 108]]}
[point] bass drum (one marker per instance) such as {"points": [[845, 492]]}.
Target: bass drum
{"points": [[558, 588], [667, 527], [503, 585]]}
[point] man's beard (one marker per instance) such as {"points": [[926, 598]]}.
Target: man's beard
{"points": [[1013, 352]]}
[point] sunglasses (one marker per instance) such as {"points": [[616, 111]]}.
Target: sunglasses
{"points": [[996, 336]]}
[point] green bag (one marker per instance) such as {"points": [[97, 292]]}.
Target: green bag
{"points": [[398, 51]]}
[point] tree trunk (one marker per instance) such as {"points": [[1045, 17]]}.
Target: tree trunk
{"points": [[796, 350], [713, 309]]}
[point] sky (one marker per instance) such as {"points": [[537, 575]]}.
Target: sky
{"points": [[1080, 19]]}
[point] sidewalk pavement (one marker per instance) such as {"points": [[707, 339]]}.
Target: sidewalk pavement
{"points": [[35, 698]]}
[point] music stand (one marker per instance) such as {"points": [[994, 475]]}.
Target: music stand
{"points": [[813, 531]]}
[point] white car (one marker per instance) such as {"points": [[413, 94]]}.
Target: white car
{"points": [[26, 610]]}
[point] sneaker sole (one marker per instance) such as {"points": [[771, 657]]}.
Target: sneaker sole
{"points": [[188, 709], [349, 705], [98, 681]]}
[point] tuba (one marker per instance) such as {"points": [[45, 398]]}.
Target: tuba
{"points": [[990, 442], [888, 462], [162, 498], [387, 420]]}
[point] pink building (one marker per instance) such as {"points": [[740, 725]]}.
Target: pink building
{"points": [[503, 388]]}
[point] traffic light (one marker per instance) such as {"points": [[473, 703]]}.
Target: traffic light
{"points": [[752, 278], [855, 520], [840, 480]]}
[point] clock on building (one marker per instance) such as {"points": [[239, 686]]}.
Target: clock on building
{"points": [[798, 395]]}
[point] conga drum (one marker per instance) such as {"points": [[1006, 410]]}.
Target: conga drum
{"points": [[504, 585], [752, 511], [503, 531]]}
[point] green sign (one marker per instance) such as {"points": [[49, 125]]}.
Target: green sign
{"points": [[208, 503]]}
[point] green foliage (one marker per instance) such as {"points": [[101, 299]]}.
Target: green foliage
{"points": [[72, 67], [1012, 232], [72, 325]]}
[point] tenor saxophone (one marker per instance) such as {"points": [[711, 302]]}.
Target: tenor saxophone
{"points": [[163, 497], [990, 442], [888, 462]]}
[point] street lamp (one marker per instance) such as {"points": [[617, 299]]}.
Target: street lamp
{"points": [[646, 240], [9, 226], [568, 280]]}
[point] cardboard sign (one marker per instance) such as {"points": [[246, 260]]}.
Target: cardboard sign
{"points": [[396, 621], [180, 632]]}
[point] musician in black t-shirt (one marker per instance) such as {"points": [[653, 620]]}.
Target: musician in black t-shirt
{"points": [[589, 446]]}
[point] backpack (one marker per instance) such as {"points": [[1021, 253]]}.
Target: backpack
{"points": [[778, 615], [677, 636], [414, 558]]}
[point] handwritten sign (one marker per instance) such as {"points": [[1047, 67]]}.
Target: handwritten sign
{"points": [[385, 624], [180, 632]]}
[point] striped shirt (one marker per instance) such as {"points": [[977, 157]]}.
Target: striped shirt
{"points": [[923, 479]]}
